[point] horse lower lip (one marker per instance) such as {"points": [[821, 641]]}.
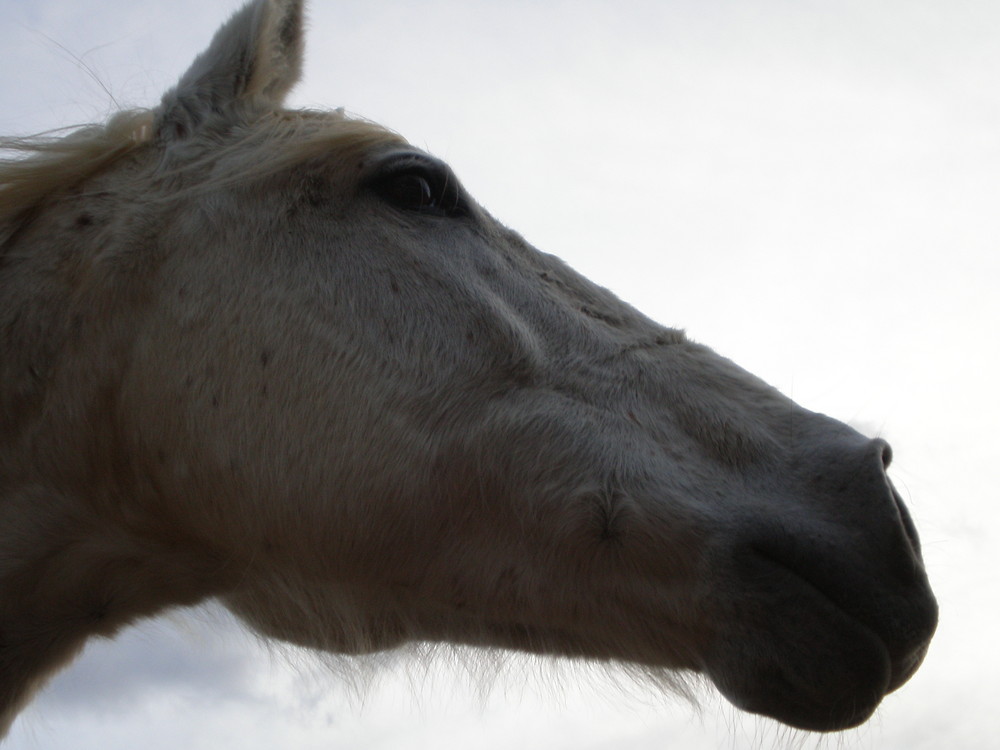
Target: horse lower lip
{"points": [[809, 662], [845, 696]]}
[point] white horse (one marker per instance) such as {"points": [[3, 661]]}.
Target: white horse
{"points": [[283, 359]]}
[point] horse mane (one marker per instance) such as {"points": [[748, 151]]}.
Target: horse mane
{"points": [[43, 165]]}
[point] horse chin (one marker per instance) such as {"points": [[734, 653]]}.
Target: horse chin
{"points": [[846, 697], [821, 671]]}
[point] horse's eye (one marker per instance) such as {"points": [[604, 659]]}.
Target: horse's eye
{"points": [[409, 191], [414, 183]]}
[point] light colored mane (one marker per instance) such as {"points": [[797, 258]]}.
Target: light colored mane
{"points": [[44, 165], [41, 165]]}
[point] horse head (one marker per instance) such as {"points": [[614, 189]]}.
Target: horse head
{"points": [[284, 359]]}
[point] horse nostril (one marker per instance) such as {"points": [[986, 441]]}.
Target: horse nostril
{"points": [[885, 452]]}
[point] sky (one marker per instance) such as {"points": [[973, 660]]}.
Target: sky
{"points": [[811, 188]]}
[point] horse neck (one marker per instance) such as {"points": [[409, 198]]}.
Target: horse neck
{"points": [[73, 561], [57, 297]]}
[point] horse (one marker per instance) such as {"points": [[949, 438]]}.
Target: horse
{"points": [[282, 359]]}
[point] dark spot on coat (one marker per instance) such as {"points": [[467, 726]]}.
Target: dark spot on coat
{"points": [[600, 315], [316, 191]]}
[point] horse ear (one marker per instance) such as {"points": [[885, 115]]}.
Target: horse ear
{"points": [[249, 68]]}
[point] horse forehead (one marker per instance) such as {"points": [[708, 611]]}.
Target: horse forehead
{"points": [[265, 158]]}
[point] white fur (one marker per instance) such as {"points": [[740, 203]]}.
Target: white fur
{"points": [[232, 367]]}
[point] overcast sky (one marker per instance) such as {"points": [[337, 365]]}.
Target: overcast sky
{"points": [[812, 188]]}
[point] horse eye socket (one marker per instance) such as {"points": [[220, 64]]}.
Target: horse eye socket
{"points": [[412, 185]]}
